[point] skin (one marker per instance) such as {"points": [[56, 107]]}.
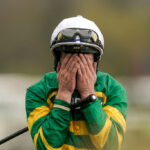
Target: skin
{"points": [[76, 71]]}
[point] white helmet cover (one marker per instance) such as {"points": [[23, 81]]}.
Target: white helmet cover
{"points": [[77, 22]]}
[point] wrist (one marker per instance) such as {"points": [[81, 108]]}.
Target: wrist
{"points": [[64, 95], [85, 95], [61, 104], [85, 102]]}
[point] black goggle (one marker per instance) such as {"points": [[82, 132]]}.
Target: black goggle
{"points": [[77, 36], [74, 40]]}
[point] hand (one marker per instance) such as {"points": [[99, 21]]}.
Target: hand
{"points": [[67, 70], [86, 76]]}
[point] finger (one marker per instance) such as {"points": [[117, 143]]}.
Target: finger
{"points": [[83, 59], [71, 62], [65, 60], [70, 66], [95, 66], [85, 62], [82, 67], [74, 69], [90, 66], [79, 72]]}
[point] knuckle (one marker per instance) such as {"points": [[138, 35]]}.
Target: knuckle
{"points": [[65, 76], [65, 70]]}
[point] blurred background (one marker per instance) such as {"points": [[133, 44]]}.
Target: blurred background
{"points": [[25, 30]]}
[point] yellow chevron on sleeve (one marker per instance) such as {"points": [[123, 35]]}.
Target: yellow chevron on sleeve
{"points": [[35, 138], [64, 146], [45, 141], [78, 127], [70, 147], [39, 112], [36, 114], [101, 94], [50, 96], [100, 139], [116, 115], [120, 138], [49, 99]]}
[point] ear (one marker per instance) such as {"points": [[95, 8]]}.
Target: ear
{"points": [[58, 67]]}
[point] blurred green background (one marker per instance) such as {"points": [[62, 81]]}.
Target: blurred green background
{"points": [[25, 30]]}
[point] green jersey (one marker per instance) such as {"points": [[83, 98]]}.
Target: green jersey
{"points": [[98, 125]]}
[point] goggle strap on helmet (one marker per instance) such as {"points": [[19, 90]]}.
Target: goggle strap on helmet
{"points": [[76, 35], [75, 40]]}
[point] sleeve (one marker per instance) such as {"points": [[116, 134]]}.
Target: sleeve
{"points": [[48, 122], [107, 124]]}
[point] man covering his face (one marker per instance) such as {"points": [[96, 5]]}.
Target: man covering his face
{"points": [[76, 107]]}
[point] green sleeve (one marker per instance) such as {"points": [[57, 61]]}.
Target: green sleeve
{"points": [[47, 125], [107, 123]]}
